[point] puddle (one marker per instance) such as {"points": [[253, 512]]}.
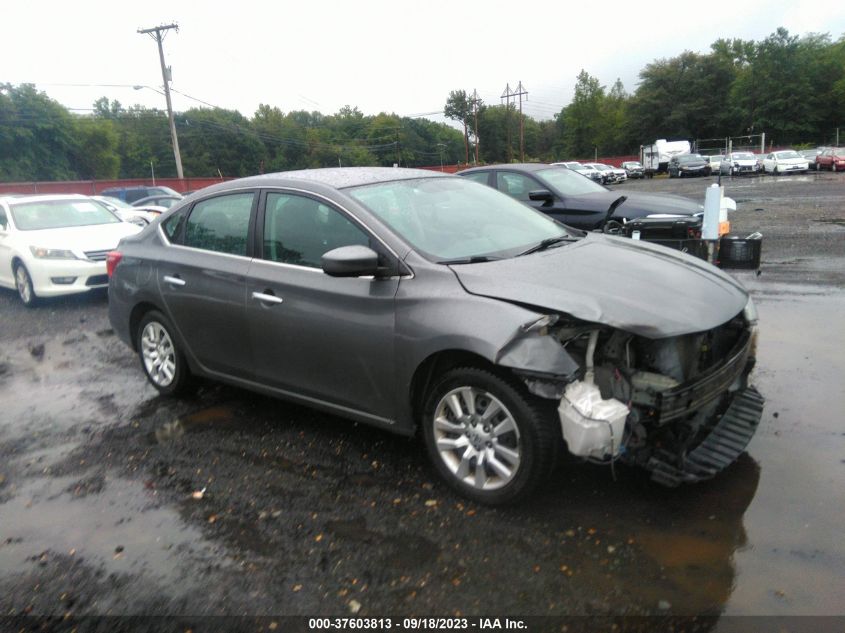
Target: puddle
{"points": [[112, 524], [61, 387], [391, 553], [216, 417]]}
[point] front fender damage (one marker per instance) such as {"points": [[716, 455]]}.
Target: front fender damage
{"points": [[680, 407]]}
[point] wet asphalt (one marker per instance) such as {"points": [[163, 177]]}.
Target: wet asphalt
{"points": [[116, 501]]}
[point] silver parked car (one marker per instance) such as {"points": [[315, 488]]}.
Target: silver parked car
{"points": [[413, 300]]}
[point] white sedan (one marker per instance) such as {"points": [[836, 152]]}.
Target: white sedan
{"points": [[785, 162], [141, 216], [56, 245]]}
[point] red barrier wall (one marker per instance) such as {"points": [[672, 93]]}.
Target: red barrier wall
{"points": [[93, 187]]}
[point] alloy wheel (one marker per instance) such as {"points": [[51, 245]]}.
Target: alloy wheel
{"points": [[23, 284], [477, 438], [158, 354]]}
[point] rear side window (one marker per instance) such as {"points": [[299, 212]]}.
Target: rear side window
{"points": [[172, 226], [481, 177], [299, 230], [220, 224]]}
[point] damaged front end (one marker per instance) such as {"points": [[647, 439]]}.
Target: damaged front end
{"points": [[680, 407]]}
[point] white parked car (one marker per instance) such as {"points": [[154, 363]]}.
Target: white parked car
{"points": [[141, 216], [56, 245], [786, 161], [607, 175], [590, 172], [740, 163], [621, 174], [715, 162]]}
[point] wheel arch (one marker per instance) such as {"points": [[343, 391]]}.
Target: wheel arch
{"points": [[437, 364], [138, 313]]}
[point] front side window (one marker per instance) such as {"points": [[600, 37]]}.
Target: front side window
{"points": [[516, 185], [299, 230], [219, 224]]}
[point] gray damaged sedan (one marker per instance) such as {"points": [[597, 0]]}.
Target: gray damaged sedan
{"points": [[416, 301]]}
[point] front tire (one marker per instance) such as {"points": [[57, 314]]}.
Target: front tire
{"points": [[488, 438], [161, 359], [23, 284]]}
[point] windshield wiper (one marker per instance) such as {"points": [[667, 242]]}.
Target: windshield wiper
{"points": [[546, 243], [474, 259]]}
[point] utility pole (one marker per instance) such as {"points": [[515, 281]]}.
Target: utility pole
{"points": [[440, 147], [156, 33], [475, 114], [519, 92], [506, 95]]}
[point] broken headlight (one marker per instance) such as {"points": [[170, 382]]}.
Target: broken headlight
{"points": [[750, 312]]}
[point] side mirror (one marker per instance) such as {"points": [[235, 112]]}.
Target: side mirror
{"points": [[541, 195], [350, 261]]}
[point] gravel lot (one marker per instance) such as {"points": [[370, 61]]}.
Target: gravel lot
{"points": [[116, 501]]}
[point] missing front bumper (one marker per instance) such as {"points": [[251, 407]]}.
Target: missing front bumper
{"points": [[725, 443]]}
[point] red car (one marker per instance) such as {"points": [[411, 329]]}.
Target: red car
{"points": [[833, 158]]}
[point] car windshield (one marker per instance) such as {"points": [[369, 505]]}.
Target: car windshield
{"points": [[567, 183], [578, 167], [742, 156], [689, 158], [455, 218], [601, 167], [631, 165], [789, 154], [57, 214], [716, 158]]}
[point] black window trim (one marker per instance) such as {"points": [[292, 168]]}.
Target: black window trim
{"points": [[178, 239], [400, 268]]}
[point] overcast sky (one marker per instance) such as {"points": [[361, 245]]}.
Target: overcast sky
{"points": [[397, 56]]}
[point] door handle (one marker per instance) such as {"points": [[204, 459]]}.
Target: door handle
{"points": [[260, 296], [175, 281]]}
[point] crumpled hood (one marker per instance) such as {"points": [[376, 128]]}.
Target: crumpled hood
{"points": [[637, 204], [638, 287]]}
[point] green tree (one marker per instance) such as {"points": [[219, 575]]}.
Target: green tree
{"points": [[581, 118], [96, 148], [458, 108], [218, 141], [36, 136]]}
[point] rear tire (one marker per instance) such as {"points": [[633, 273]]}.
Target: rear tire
{"points": [[161, 359], [489, 439], [23, 284]]}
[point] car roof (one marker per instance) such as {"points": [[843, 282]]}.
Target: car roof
{"points": [[333, 177], [527, 167]]}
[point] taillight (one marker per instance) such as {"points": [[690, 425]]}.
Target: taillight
{"points": [[112, 260]]}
